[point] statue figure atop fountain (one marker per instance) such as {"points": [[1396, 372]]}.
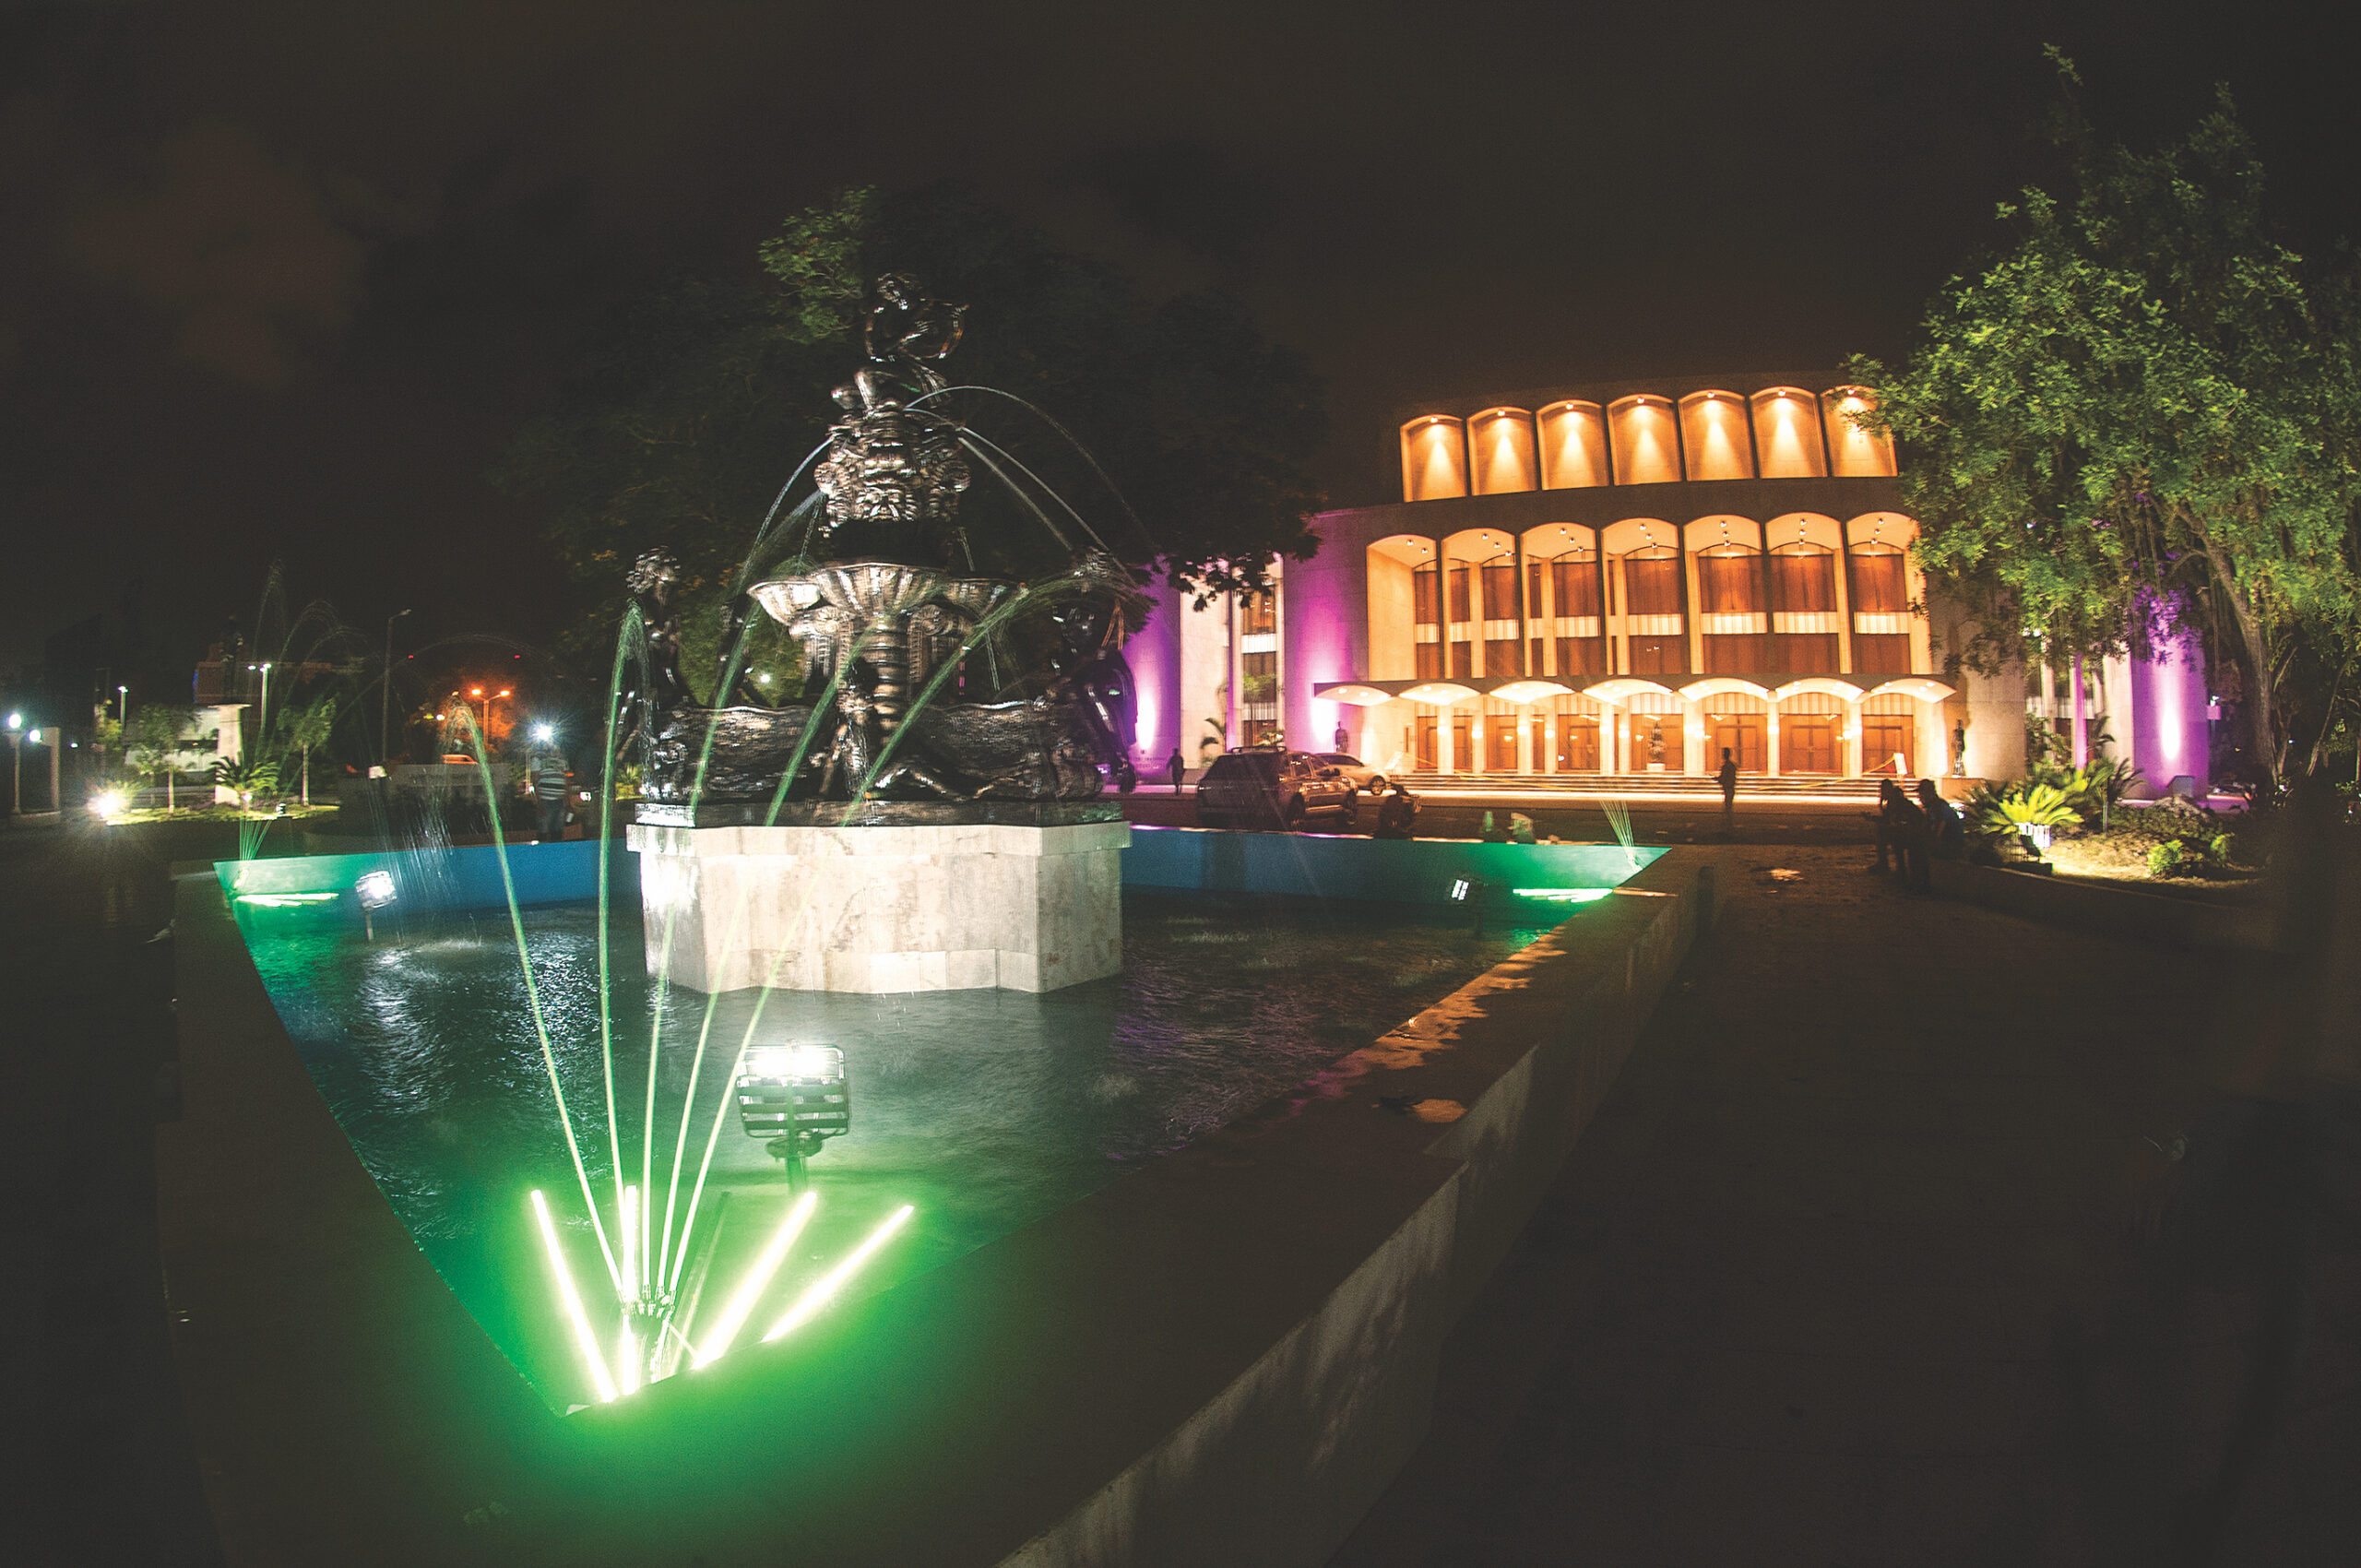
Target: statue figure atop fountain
{"points": [[934, 700], [883, 613]]}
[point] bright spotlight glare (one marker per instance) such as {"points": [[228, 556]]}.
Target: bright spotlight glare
{"points": [[108, 804], [545, 733], [376, 888], [803, 1063]]}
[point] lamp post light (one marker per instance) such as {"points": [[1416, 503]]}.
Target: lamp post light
{"points": [[386, 699], [123, 704]]}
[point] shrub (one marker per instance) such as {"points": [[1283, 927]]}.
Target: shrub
{"points": [[2030, 804], [2164, 859]]}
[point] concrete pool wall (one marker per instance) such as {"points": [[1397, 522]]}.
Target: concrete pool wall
{"points": [[1219, 1358]]}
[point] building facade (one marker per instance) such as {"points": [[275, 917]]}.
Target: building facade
{"points": [[1616, 580]]}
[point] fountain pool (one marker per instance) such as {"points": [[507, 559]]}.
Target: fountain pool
{"points": [[983, 1110]]}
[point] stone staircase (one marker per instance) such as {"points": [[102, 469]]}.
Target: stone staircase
{"points": [[1752, 787]]}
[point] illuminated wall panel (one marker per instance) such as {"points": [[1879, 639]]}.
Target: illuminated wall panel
{"points": [[1434, 459], [1855, 453], [1713, 428], [1648, 448], [1787, 433], [1573, 446], [1499, 452]]}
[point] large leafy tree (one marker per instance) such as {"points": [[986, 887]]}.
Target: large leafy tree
{"points": [[2141, 418], [1175, 432]]}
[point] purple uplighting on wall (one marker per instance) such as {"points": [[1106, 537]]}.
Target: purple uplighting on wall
{"points": [[1324, 606], [1154, 655], [2168, 694]]}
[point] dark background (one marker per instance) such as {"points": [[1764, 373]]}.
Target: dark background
{"points": [[277, 280]]}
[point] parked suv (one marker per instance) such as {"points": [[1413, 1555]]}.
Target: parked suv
{"points": [[1354, 771], [1259, 786]]}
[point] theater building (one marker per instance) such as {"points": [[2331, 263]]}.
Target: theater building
{"points": [[1614, 581]]}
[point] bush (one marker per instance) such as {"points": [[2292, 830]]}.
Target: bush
{"points": [[2164, 859], [2030, 804]]}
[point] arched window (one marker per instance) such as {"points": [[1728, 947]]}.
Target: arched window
{"points": [[1713, 433], [1732, 619], [1573, 445], [1787, 433], [1648, 448], [1855, 453], [1499, 452], [1404, 609], [1434, 459], [1881, 583], [1564, 602], [1654, 629], [1803, 608]]}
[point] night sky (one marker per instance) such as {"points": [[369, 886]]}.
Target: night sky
{"points": [[278, 281]]}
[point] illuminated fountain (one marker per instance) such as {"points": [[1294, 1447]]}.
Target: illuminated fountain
{"points": [[1268, 1143], [931, 818], [928, 820]]}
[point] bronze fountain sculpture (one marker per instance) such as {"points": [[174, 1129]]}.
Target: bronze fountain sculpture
{"points": [[1031, 710]]}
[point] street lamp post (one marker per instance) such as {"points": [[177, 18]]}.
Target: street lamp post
{"points": [[16, 764], [385, 701]]}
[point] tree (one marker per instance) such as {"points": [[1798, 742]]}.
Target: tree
{"points": [[695, 403], [2140, 419], [306, 729], [155, 743], [246, 777]]}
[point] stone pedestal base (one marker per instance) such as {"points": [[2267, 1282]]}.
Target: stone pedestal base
{"points": [[883, 909]]}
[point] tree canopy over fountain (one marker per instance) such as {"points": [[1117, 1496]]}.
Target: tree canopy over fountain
{"points": [[923, 679], [690, 406]]}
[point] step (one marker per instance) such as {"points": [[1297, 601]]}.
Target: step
{"points": [[1703, 786]]}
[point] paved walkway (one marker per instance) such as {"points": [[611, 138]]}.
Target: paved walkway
{"points": [[1798, 1296], [97, 1469]]}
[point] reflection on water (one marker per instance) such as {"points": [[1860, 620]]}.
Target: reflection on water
{"points": [[986, 1109]]}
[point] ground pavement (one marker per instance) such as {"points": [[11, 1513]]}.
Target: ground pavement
{"points": [[99, 1470], [1846, 1271]]}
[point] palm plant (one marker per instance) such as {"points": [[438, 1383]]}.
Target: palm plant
{"points": [[305, 729], [155, 743], [246, 777]]}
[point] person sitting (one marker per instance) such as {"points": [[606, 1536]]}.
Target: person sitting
{"points": [[1947, 832], [1396, 814], [1895, 819]]}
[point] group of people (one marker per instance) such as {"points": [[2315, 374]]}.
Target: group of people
{"points": [[1911, 834]]}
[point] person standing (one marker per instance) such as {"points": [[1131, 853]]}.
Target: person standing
{"points": [[1728, 775], [1344, 741], [550, 784], [1175, 766]]}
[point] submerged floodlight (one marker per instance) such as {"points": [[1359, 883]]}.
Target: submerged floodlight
{"points": [[571, 1300], [829, 1284], [375, 889], [795, 1096], [757, 1280], [1459, 890]]}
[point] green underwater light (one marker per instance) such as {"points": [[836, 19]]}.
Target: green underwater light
{"points": [[1565, 895], [286, 900], [829, 1284], [583, 1336], [758, 1279]]}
